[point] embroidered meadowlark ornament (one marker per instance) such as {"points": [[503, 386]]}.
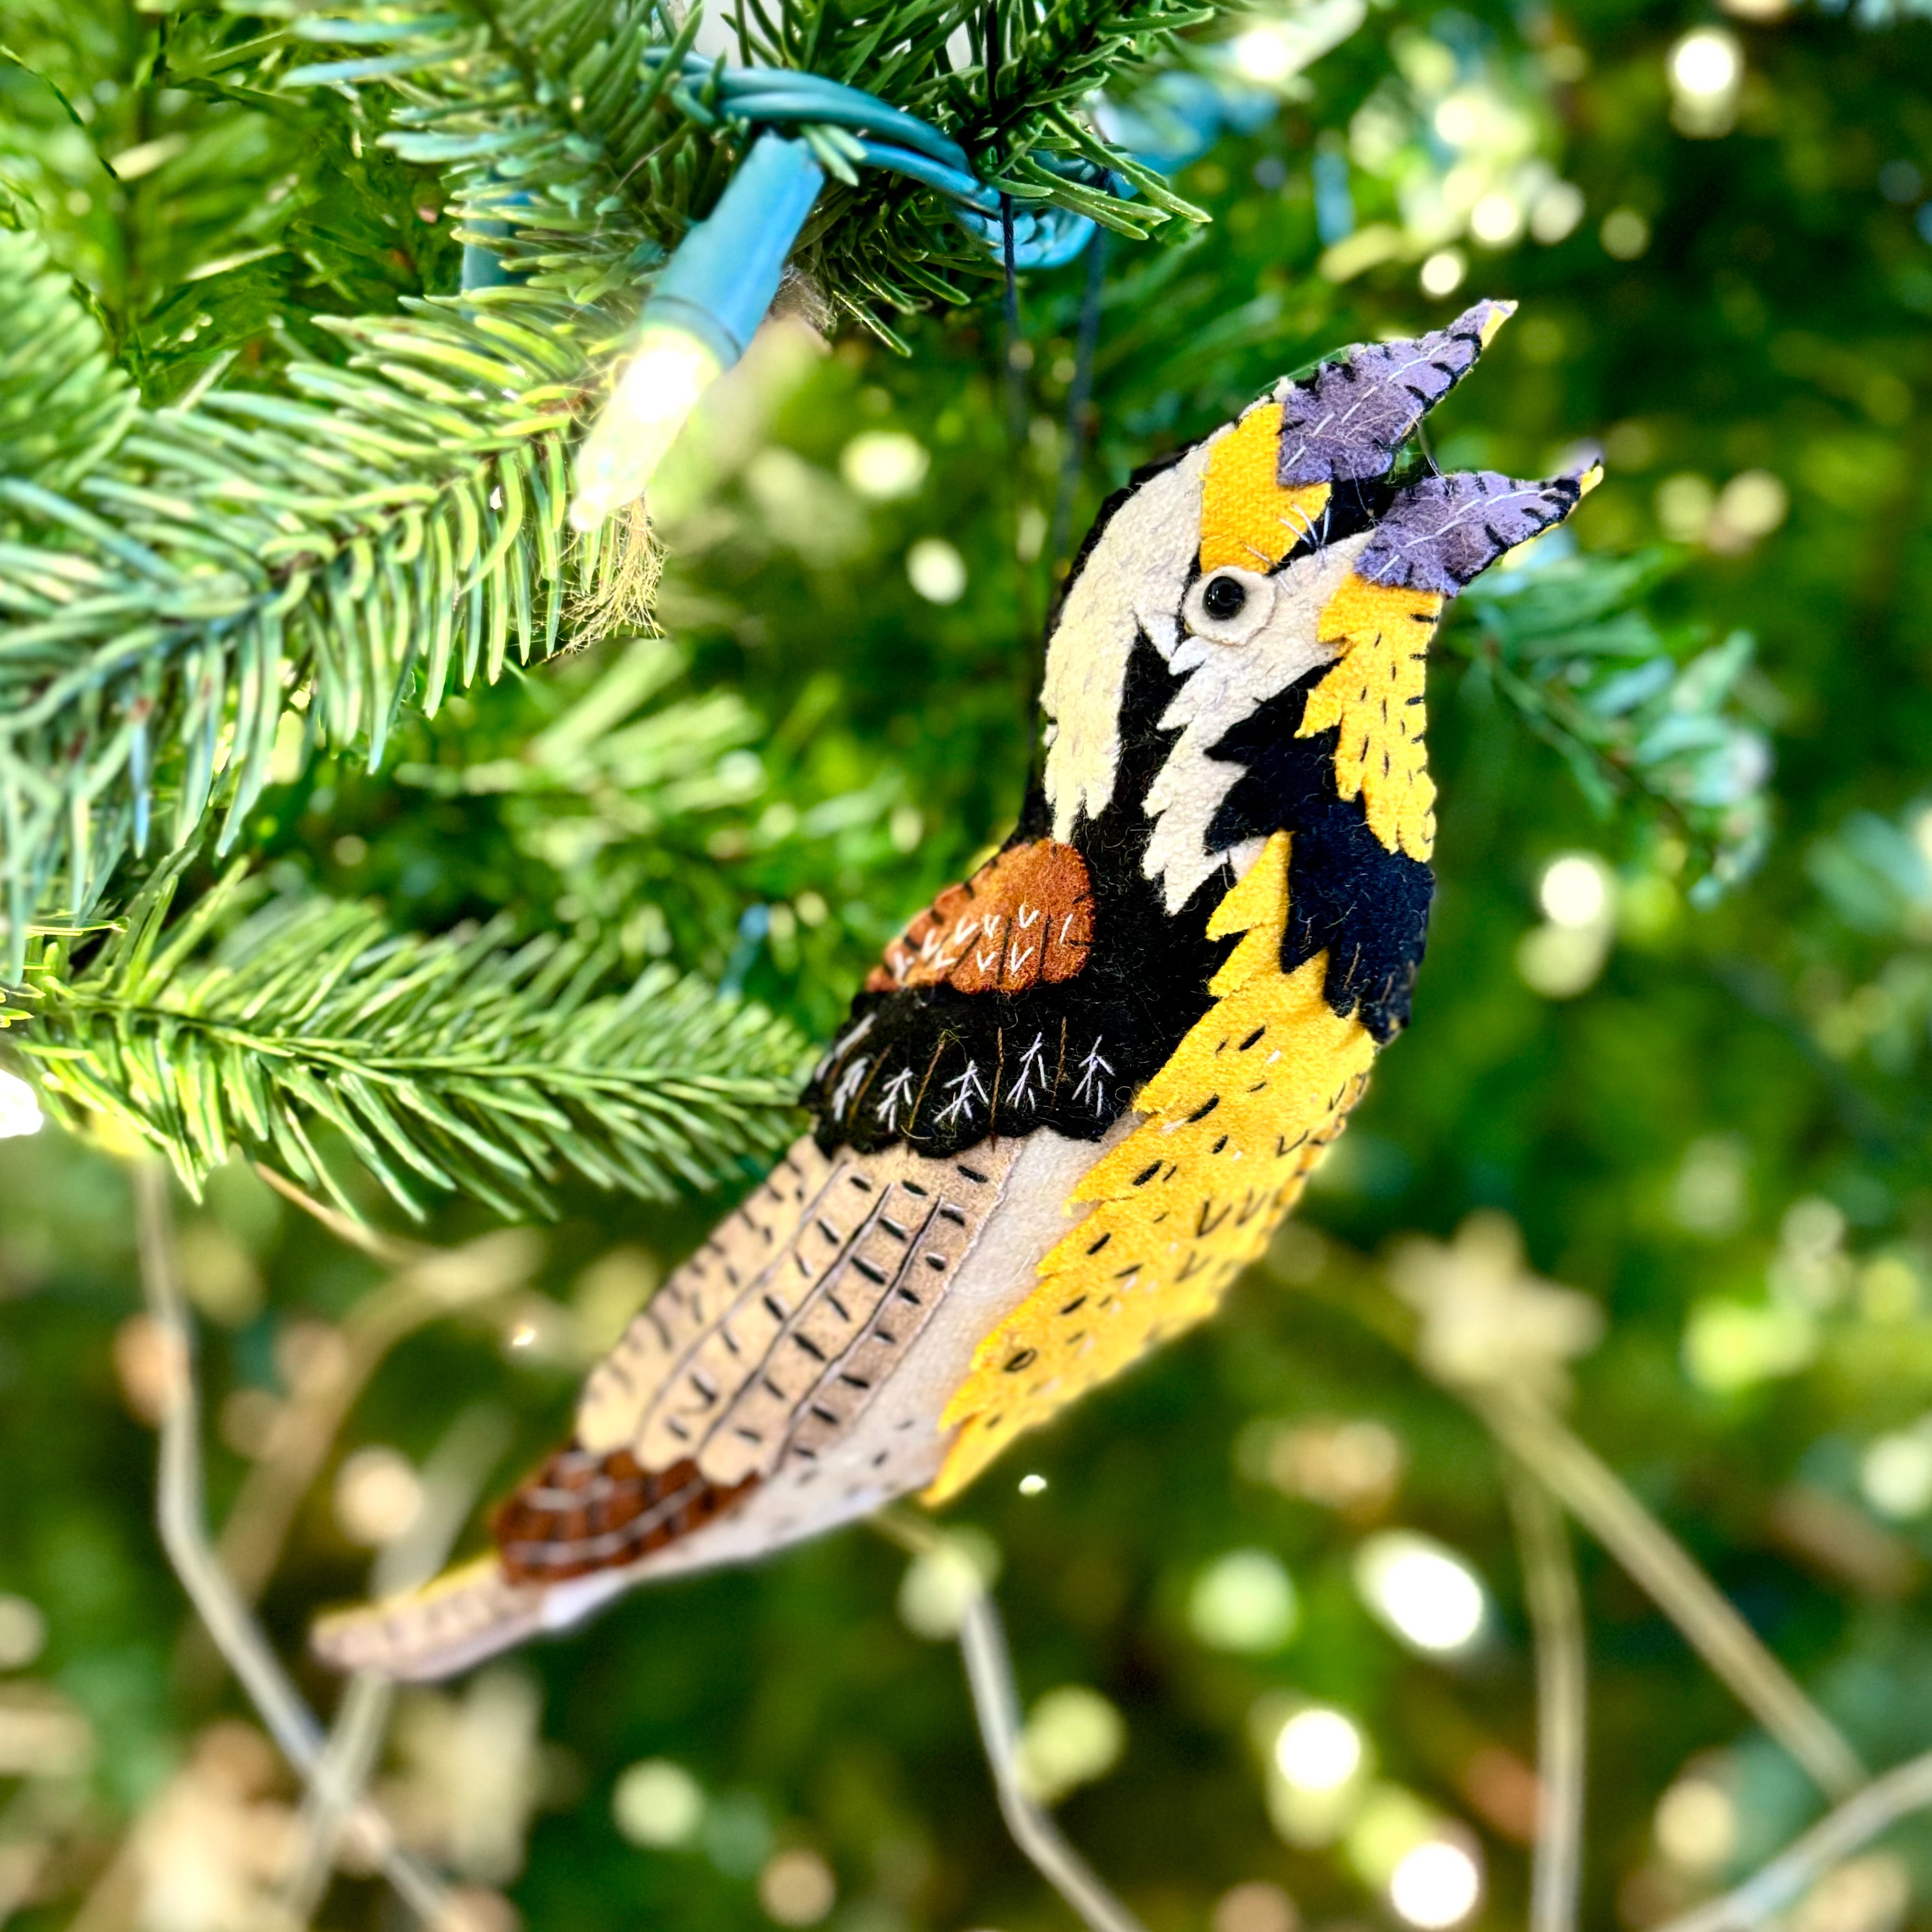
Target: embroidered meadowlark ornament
{"points": [[1081, 1090]]}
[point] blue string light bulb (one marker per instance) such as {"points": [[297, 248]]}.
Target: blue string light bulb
{"points": [[699, 319]]}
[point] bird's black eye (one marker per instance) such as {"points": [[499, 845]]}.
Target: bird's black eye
{"points": [[1224, 597]]}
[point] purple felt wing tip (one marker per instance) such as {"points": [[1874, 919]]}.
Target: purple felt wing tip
{"points": [[1443, 532], [1345, 423]]}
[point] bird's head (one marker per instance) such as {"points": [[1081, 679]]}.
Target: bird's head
{"points": [[1276, 546]]}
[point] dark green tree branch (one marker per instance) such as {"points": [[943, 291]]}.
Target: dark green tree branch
{"points": [[363, 538], [454, 1062]]}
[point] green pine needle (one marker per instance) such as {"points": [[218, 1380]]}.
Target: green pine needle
{"points": [[356, 539], [1636, 709], [389, 531], [450, 1063], [63, 403]]}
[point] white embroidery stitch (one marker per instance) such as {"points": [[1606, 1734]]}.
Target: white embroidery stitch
{"points": [[844, 1042], [850, 1081], [1092, 1070], [891, 1096], [965, 1088], [1033, 1066]]}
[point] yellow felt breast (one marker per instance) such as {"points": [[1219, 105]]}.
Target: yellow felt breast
{"points": [[1246, 517], [1375, 695], [1233, 1123]]}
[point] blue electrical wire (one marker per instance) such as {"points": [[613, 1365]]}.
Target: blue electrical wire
{"points": [[882, 136], [1043, 238], [787, 94]]}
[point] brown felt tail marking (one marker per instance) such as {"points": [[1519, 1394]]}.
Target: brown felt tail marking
{"points": [[580, 1513]]}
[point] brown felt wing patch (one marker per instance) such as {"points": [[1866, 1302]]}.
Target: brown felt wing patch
{"points": [[1025, 916], [581, 1513]]}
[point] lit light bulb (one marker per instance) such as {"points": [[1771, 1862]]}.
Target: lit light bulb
{"points": [[653, 398]]}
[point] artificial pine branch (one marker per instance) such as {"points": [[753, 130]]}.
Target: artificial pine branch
{"points": [[1636, 710], [450, 1062], [64, 402], [386, 529], [390, 528], [578, 149]]}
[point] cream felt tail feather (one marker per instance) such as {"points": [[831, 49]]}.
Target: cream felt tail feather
{"points": [[464, 1616], [1080, 1089]]}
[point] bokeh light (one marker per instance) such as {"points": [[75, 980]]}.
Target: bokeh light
{"points": [[1072, 1736], [1437, 1884], [940, 1584], [1711, 1195], [1895, 1473], [377, 1495], [1752, 504], [796, 1887], [20, 1109], [1575, 890], [1245, 1602], [1730, 1345], [1870, 1893], [1624, 234], [1425, 1594], [1705, 63], [1557, 210], [1497, 219], [1257, 1907], [885, 464], [1266, 52], [1706, 69], [1566, 955], [1319, 1749], [937, 571], [659, 1804], [1354, 1466], [1697, 1824], [23, 1632], [1683, 504]]}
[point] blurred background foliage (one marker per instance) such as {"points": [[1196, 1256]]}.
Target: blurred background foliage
{"points": [[1673, 1026]]}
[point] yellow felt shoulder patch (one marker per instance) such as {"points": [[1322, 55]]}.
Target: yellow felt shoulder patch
{"points": [[1247, 518], [1234, 1122], [1375, 695]]}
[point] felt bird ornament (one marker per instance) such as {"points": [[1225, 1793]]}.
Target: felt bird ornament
{"points": [[1081, 1089]]}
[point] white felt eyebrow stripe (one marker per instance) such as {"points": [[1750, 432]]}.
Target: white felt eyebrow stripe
{"points": [[1231, 682]]}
